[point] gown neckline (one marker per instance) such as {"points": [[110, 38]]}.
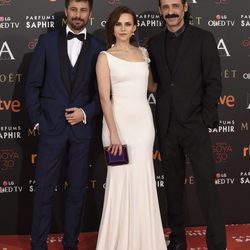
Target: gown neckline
{"points": [[124, 59]]}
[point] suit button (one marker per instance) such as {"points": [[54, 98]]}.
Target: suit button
{"points": [[171, 84]]}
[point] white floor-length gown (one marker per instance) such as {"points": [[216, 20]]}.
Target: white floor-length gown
{"points": [[131, 217]]}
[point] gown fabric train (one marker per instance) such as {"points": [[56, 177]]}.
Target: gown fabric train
{"points": [[131, 216]]}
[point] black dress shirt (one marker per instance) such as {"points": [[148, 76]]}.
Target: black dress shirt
{"points": [[173, 43]]}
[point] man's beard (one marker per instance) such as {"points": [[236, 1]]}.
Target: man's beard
{"points": [[77, 27]]}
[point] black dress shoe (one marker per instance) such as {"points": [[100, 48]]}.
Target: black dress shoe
{"points": [[177, 245]]}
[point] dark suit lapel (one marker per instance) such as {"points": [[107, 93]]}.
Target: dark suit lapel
{"points": [[82, 64], [185, 46], [64, 59]]}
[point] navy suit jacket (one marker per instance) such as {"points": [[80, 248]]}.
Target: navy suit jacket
{"points": [[48, 87]]}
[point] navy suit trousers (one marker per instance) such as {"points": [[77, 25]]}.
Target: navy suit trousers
{"points": [[51, 152]]}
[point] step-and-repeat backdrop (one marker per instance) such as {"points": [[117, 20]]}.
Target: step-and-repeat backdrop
{"points": [[21, 23]]}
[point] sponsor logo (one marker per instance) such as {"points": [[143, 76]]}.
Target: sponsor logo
{"points": [[149, 20], [241, 238], [246, 76], [32, 44], [245, 20], [10, 78], [246, 151], [32, 186], [64, 22], [246, 43], [10, 132], [222, 179], [10, 187], [196, 233], [92, 184], [196, 20], [40, 22], [151, 99], [244, 177], [8, 159], [227, 100], [229, 73], [13, 105], [190, 180], [145, 20], [33, 132], [7, 23], [221, 21], [91, 21], [221, 152], [5, 52], [224, 127], [244, 126], [103, 23], [54, 239], [222, 48], [160, 181]]}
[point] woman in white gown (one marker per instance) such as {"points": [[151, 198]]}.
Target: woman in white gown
{"points": [[131, 216]]}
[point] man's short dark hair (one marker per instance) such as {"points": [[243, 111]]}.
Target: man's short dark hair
{"points": [[90, 3]]}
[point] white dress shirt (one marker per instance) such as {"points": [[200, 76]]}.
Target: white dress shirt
{"points": [[74, 46]]}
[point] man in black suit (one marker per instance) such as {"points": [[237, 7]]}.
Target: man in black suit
{"points": [[62, 100], [185, 64]]}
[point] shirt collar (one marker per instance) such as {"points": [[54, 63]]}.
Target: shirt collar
{"points": [[84, 31], [178, 32]]}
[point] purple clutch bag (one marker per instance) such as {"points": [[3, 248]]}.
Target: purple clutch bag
{"points": [[115, 160]]}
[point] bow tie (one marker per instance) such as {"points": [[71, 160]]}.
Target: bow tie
{"points": [[71, 35]]}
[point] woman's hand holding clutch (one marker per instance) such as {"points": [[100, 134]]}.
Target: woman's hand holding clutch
{"points": [[116, 145]]}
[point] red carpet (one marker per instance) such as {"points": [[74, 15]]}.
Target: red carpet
{"points": [[238, 238]]}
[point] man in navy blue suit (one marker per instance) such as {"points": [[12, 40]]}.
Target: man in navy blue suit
{"points": [[62, 100]]}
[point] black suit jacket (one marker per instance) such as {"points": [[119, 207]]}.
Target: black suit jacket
{"points": [[48, 87], [195, 85]]}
